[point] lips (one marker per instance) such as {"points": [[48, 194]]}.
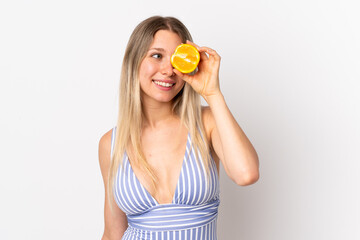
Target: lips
{"points": [[163, 83]]}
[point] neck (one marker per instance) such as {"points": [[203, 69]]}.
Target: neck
{"points": [[157, 114]]}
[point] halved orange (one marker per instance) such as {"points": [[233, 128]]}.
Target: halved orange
{"points": [[185, 58]]}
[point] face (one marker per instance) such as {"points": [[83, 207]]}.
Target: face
{"points": [[158, 82]]}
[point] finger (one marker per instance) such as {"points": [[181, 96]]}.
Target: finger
{"points": [[203, 49], [191, 43], [202, 54], [210, 51]]}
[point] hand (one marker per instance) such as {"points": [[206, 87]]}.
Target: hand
{"points": [[206, 79]]}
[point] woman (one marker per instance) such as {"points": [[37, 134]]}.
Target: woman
{"points": [[160, 163]]}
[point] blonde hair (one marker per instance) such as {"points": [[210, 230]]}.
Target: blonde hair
{"points": [[186, 104]]}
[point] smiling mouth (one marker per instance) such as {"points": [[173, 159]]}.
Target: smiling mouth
{"points": [[163, 84]]}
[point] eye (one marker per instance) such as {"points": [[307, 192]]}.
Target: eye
{"points": [[156, 55]]}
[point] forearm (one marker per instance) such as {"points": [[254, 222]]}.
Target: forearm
{"points": [[238, 156]]}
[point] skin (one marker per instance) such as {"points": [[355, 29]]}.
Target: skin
{"points": [[165, 155]]}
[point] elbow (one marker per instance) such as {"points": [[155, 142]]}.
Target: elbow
{"points": [[246, 173], [247, 178], [104, 237]]}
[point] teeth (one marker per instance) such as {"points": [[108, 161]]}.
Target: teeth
{"points": [[164, 84]]}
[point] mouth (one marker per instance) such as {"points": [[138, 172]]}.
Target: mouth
{"points": [[165, 84]]}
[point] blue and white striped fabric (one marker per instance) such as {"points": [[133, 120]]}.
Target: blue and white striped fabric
{"points": [[192, 213]]}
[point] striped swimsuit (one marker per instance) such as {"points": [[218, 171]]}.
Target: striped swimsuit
{"points": [[192, 214]]}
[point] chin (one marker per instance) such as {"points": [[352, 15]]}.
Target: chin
{"points": [[164, 99]]}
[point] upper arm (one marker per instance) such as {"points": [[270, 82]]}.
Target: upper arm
{"points": [[115, 219], [241, 162]]}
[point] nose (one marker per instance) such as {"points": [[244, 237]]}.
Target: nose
{"points": [[167, 68]]}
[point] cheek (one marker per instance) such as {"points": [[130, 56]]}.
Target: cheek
{"points": [[147, 69], [180, 82]]}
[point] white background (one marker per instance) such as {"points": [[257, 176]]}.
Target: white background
{"points": [[290, 74]]}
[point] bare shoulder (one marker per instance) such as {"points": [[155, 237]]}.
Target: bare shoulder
{"points": [[105, 150], [206, 113], [208, 120], [209, 125]]}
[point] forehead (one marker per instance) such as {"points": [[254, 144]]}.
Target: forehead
{"points": [[165, 39]]}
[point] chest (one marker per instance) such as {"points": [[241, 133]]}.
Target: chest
{"points": [[164, 152], [192, 186]]}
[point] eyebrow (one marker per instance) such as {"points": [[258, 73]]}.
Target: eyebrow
{"points": [[157, 49]]}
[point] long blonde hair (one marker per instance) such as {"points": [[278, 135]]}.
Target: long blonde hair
{"points": [[186, 104]]}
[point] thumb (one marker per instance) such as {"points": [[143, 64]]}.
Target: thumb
{"points": [[183, 76]]}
